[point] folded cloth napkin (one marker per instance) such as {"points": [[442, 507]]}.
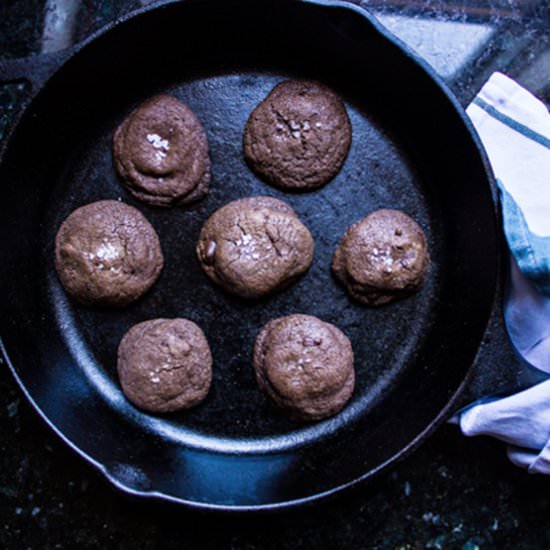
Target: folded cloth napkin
{"points": [[514, 127]]}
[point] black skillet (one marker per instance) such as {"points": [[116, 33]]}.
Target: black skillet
{"points": [[413, 149]]}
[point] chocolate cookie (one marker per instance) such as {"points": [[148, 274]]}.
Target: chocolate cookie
{"points": [[165, 365], [299, 136], [382, 257], [305, 366], [161, 153], [107, 254], [254, 246]]}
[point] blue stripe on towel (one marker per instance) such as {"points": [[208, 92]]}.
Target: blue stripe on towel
{"points": [[511, 123]]}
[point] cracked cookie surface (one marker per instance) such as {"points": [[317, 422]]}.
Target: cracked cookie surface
{"points": [[299, 136], [107, 254], [161, 153], [254, 246], [165, 365], [305, 366], [382, 257]]}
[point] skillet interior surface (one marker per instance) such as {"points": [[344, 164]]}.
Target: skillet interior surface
{"points": [[410, 150]]}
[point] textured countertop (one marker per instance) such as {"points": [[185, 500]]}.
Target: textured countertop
{"points": [[452, 493]]}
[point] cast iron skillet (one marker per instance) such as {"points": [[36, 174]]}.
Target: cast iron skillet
{"points": [[412, 149]]}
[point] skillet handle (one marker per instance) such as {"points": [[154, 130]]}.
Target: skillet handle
{"points": [[25, 77], [33, 70], [498, 368]]}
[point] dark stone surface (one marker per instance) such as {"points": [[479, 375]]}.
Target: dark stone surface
{"points": [[21, 23], [452, 493]]}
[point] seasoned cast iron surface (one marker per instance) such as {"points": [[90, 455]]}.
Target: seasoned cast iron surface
{"points": [[377, 174]]}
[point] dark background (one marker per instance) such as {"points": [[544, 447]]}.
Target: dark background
{"points": [[453, 492]]}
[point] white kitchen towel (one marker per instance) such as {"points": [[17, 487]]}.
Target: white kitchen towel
{"points": [[514, 127]]}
